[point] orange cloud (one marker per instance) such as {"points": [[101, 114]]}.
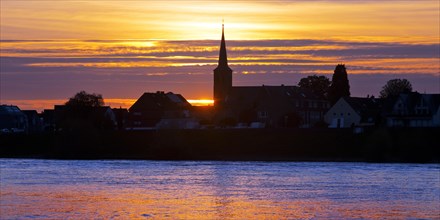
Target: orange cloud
{"points": [[399, 20]]}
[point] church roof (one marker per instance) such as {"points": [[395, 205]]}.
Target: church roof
{"points": [[243, 97]]}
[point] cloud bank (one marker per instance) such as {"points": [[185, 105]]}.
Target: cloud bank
{"points": [[125, 69]]}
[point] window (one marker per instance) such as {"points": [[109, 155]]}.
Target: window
{"points": [[262, 114], [315, 116]]}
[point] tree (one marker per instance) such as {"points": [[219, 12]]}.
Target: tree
{"points": [[394, 87], [340, 86], [84, 111], [84, 99], [319, 85]]}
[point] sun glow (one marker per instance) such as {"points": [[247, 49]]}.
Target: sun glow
{"points": [[201, 102], [245, 20], [141, 43], [51, 49], [41, 104]]}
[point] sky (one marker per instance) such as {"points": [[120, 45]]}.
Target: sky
{"points": [[52, 49]]}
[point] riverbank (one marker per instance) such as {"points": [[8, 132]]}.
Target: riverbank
{"points": [[377, 145]]}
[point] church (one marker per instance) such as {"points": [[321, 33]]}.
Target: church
{"points": [[262, 106]]}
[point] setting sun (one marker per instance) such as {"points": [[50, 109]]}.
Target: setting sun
{"points": [[201, 102]]}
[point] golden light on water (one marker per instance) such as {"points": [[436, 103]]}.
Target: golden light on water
{"points": [[91, 201], [148, 189]]}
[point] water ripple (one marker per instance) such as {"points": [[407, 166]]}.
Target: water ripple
{"points": [[119, 189]]}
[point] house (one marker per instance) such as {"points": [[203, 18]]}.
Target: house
{"points": [[104, 117], [274, 106], [204, 115], [413, 110], [47, 117], [151, 108], [352, 111], [67, 116], [262, 106], [12, 119], [35, 123], [178, 123], [121, 115]]}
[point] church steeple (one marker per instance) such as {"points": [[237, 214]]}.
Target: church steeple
{"points": [[222, 74], [223, 57]]}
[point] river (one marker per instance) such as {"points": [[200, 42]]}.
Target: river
{"points": [[120, 189]]}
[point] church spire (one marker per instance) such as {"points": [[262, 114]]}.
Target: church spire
{"points": [[223, 58], [222, 75]]}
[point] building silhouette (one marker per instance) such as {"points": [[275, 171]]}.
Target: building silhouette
{"points": [[222, 75], [159, 109], [12, 119], [413, 109], [262, 106], [348, 112]]}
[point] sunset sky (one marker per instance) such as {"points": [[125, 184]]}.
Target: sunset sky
{"points": [[52, 49]]}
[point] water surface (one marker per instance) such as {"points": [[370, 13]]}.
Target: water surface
{"points": [[58, 189]]}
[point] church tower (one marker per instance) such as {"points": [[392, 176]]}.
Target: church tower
{"points": [[222, 75]]}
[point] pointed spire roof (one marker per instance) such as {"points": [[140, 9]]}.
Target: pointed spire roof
{"points": [[223, 58]]}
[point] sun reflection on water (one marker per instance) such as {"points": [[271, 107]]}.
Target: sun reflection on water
{"points": [[215, 190]]}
